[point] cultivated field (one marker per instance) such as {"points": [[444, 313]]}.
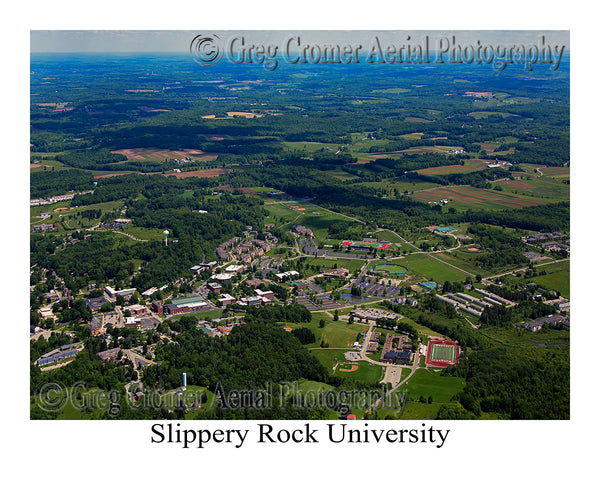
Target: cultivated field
{"points": [[470, 165], [470, 196], [211, 172], [158, 155]]}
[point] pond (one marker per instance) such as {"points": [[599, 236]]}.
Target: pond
{"points": [[354, 298]]}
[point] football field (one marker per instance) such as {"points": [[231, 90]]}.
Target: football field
{"points": [[443, 353]]}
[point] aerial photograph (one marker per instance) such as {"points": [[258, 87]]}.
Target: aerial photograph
{"points": [[299, 225]]}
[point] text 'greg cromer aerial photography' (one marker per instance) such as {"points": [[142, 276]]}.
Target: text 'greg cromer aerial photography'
{"points": [[300, 225]]}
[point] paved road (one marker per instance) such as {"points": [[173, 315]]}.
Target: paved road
{"points": [[525, 268], [413, 369]]}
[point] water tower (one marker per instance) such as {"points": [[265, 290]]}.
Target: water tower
{"points": [[166, 234]]}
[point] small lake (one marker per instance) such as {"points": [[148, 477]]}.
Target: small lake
{"points": [[354, 298]]}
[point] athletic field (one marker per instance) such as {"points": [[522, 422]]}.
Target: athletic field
{"points": [[389, 269], [441, 353], [377, 245]]}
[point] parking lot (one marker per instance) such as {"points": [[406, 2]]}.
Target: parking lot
{"points": [[326, 303], [371, 288]]}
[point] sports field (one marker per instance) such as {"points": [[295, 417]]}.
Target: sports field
{"points": [[377, 245], [389, 269], [362, 371], [441, 353]]}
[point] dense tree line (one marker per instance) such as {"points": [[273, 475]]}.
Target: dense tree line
{"points": [[526, 310], [521, 384]]}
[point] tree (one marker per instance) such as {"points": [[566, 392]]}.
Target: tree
{"points": [[336, 315], [321, 323]]}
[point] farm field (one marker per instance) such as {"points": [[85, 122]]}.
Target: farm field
{"points": [[471, 197], [556, 171], [311, 147], [392, 90], [158, 155], [543, 187], [210, 172], [486, 114], [341, 174], [471, 165], [47, 165], [401, 187]]}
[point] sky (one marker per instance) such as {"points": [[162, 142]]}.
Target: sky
{"points": [[179, 40]]}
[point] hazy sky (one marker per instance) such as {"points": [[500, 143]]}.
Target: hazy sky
{"points": [[179, 41]]}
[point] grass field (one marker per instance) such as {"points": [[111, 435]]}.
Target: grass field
{"points": [[159, 155], [311, 147], [366, 373], [486, 114], [535, 186], [470, 165], [341, 175], [393, 91], [557, 278], [465, 259], [421, 264], [328, 356], [426, 383], [312, 216], [476, 198], [67, 215], [389, 269], [328, 263], [144, 233], [337, 334], [386, 235], [391, 187]]}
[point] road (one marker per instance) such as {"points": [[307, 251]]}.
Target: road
{"points": [[413, 369], [524, 269]]}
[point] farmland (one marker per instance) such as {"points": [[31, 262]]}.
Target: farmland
{"points": [[469, 166], [157, 155], [471, 197]]}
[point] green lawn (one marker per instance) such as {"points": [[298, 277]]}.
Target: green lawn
{"points": [[387, 235], [441, 389], [557, 278], [421, 264], [366, 372], [328, 263], [328, 356]]}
